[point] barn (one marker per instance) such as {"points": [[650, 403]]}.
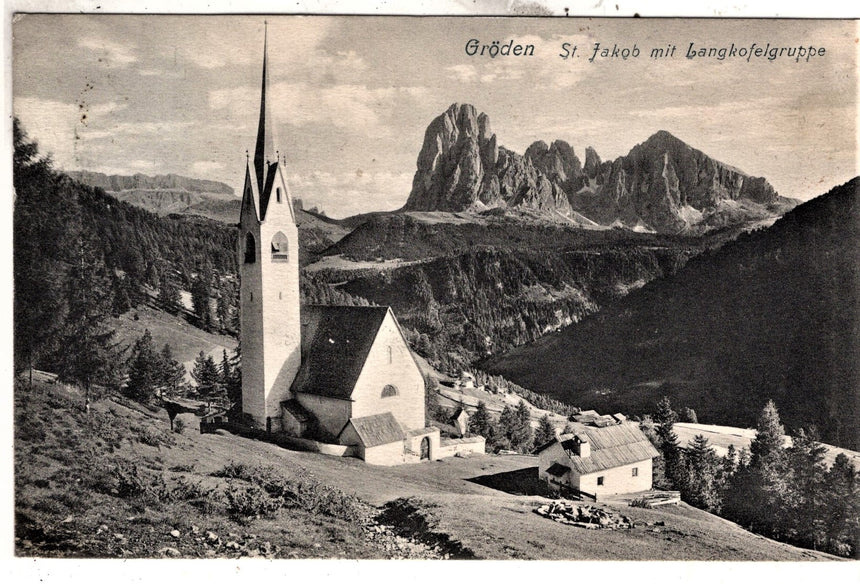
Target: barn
{"points": [[596, 461]]}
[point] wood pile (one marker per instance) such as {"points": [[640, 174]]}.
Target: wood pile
{"points": [[657, 498], [585, 516]]}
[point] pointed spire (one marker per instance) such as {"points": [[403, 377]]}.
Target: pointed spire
{"points": [[265, 144]]}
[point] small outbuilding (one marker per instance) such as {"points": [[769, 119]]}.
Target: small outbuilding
{"points": [[460, 421], [378, 438], [596, 461]]}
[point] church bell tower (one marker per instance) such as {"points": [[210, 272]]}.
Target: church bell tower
{"points": [[269, 268]]}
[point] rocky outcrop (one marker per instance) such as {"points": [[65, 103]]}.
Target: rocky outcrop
{"points": [[661, 185], [461, 166]]}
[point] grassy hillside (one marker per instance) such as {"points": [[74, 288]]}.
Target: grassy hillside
{"points": [[773, 315], [116, 483]]}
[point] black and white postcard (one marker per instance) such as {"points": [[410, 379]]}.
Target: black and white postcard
{"points": [[437, 288]]}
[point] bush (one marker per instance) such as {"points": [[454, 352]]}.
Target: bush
{"points": [[178, 426], [250, 502], [185, 490], [303, 491], [152, 437]]}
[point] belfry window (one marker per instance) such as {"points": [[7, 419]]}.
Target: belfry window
{"points": [[278, 194], [250, 249], [280, 248]]}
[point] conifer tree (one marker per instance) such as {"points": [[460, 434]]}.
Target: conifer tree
{"points": [[168, 293], [207, 376], [842, 515], [201, 292], [88, 354], [523, 435], [545, 431], [759, 489], [479, 422], [700, 486], [807, 489], [144, 370], [46, 228], [665, 418], [223, 307], [171, 372], [234, 384]]}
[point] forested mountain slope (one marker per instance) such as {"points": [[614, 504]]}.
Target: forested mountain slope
{"points": [[772, 315]]}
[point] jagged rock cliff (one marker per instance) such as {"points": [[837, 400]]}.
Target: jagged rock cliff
{"points": [[661, 185]]}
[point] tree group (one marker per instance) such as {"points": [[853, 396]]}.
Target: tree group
{"points": [[786, 493]]}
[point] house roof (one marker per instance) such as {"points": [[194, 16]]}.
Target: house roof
{"points": [[611, 446], [340, 340], [557, 469], [377, 429]]}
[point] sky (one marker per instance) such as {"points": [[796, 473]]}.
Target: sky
{"points": [[353, 96]]}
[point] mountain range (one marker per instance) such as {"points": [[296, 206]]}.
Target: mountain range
{"points": [[662, 185], [168, 193], [774, 314]]}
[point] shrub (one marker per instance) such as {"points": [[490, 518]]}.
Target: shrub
{"points": [[185, 490], [249, 502], [128, 480], [303, 491], [178, 426], [152, 437]]}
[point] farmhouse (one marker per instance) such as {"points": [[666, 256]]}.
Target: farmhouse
{"points": [[598, 460], [334, 375]]}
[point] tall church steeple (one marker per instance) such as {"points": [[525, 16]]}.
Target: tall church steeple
{"points": [[269, 273], [265, 149]]}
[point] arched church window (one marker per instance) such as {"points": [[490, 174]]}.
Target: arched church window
{"points": [[280, 248], [250, 249], [278, 194], [389, 391]]}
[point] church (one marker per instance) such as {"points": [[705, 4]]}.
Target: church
{"points": [[331, 375]]}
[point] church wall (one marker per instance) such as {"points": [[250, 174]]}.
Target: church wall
{"points": [[280, 294], [332, 414], [251, 316], [270, 324], [384, 454], [400, 370]]}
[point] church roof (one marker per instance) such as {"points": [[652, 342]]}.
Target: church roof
{"points": [[377, 429], [336, 341]]}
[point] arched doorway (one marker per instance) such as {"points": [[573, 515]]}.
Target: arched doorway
{"points": [[425, 448]]}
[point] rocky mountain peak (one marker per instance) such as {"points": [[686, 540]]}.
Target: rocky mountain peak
{"points": [[662, 184]]}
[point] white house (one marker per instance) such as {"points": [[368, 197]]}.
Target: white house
{"points": [[598, 461]]}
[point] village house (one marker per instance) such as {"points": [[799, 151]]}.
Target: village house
{"points": [[598, 459], [341, 375]]}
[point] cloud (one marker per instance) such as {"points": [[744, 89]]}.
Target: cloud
{"points": [[463, 72], [351, 107], [206, 167], [342, 194], [110, 53]]}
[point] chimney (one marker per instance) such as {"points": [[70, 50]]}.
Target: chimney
{"points": [[581, 447]]}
